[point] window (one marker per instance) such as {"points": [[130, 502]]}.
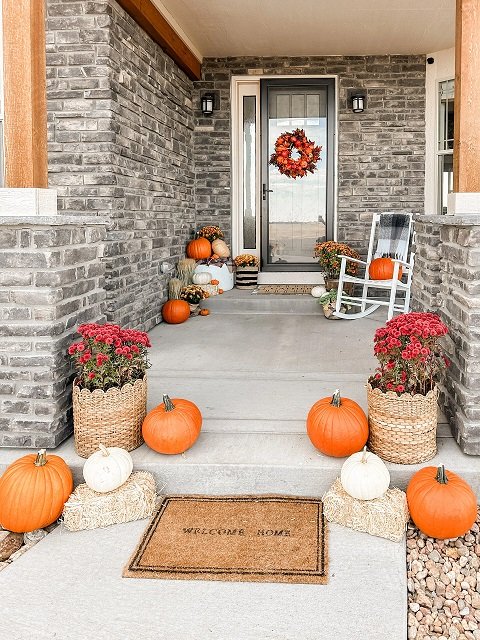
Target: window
{"points": [[445, 142]]}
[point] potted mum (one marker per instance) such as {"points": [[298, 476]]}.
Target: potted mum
{"points": [[403, 393], [110, 388], [193, 294], [328, 258], [246, 267]]}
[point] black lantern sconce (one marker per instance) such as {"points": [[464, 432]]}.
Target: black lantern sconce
{"points": [[208, 103], [358, 103]]}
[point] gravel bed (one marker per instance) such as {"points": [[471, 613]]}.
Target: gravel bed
{"points": [[443, 586], [14, 545]]}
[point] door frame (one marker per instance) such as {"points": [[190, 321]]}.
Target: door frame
{"points": [[236, 164]]}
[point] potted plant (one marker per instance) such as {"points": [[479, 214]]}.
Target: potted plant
{"points": [[402, 393], [211, 233], [328, 258], [193, 294], [110, 388], [246, 266], [328, 302]]}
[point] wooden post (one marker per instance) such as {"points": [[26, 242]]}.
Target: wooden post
{"points": [[466, 152], [24, 72]]}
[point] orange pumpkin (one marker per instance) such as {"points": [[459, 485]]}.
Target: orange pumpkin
{"points": [[441, 504], [175, 311], [199, 249], [214, 281], [215, 256], [204, 312], [173, 426], [220, 291], [33, 491], [337, 426], [382, 269]]}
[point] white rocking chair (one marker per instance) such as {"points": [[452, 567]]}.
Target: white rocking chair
{"points": [[400, 248]]}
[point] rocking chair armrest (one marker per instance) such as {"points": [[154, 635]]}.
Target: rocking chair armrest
{"points": [[352, 259], [402, 262]]}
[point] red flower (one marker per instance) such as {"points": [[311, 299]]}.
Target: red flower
{"points": [[91, 375]]}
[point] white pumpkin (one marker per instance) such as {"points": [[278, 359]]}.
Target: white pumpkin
{"points": [[107, 469], [318, 291], [364, 476], [220, 248], [203, 277]]}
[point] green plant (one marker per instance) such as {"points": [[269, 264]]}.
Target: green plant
{"points": [[328, 258], [329, 297]]}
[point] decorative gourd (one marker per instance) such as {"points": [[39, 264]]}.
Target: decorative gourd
{"points": [[220, 291], [204, 312], [337, 426], [214, 281], [318, 291], [107, 469], [382, 269], [204, 277], [199, 249], [441, 504], [173, 426], [175, 311], [220, 248], [214, 256], [33, 491], [364, 476]]}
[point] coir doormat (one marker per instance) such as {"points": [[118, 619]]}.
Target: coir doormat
{"points": [[285, 289], [234, 538]]}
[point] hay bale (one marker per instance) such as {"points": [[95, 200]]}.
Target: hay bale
{"points": [[386, 517], [134, 500]]}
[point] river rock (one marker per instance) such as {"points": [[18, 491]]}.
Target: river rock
{"points": [[10, 544]]}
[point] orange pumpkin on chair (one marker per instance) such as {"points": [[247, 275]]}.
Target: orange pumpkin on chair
{"points": [[382, 269]]}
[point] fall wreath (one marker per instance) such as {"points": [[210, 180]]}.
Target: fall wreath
{"points": [[309, 154]]}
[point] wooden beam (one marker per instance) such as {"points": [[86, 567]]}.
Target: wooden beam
{"points": [[25, 101], [146, 14], [466, 152]]}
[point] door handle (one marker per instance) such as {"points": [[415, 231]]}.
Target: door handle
{"points": [[265, 191]]}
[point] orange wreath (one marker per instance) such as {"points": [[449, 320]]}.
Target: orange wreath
{"points": [[309, 154]]}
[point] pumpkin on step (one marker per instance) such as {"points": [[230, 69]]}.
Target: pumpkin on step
{"points": [[365, 476], [382, 269], [220, 248], [204, 312], [199, 249], [175, 311], [107, 469], [173, 426], [337, 426], [33, 491], [441, 504]]}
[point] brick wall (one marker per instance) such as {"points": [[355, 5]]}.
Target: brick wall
{"points": [[380, 152], [51, 279], [120, 145]]}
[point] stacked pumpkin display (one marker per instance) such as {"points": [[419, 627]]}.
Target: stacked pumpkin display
{"points": [[209, 243]]}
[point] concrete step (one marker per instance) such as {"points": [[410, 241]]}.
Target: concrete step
{"points": [[69, 586], [239, 301]]}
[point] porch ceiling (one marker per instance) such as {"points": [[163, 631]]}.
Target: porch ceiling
{"points": [[218, 28]]}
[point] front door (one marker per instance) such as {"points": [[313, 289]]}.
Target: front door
{"points": [[296, 212]]}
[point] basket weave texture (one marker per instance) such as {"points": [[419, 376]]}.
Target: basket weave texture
{"points": [[403, 429], [113, 418], [386, 517], [211, 289], [134, 500]]}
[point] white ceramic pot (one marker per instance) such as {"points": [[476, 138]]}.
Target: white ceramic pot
{"points": [[223, 274]]}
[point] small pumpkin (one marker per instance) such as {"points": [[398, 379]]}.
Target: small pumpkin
{"points": [[214, 281], [203, 277], [220, 291], [318, 291], [441, 503], [199, 249], [382, 269], [107, 469], [214, 256], [173, 426], [204, 312], [337, 426], [175, 311], [33, 491], [220, 248], [365, 476]]}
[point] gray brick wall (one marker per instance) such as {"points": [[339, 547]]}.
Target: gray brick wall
{"points": [[51, 279], [380, 152], [120, 124]]}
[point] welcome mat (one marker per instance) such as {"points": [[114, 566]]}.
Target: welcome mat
{"points": [[234, 538], [285, 289]]}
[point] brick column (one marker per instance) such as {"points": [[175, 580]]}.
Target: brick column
{"points": [[51, 279]]}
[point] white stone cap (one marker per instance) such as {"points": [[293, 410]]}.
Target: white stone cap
{"points": [[28, 202], [463, 204], [52, 221]]}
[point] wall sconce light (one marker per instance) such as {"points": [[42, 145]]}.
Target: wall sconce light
{"points": [[207, 104], [358, 103]]}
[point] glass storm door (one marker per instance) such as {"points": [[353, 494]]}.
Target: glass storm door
{"points": [[296, 213]]}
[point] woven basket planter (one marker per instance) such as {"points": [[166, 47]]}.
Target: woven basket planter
{"points": [[246, 277], [403, 429], [113, 418]]}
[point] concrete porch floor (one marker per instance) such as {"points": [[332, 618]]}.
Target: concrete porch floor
{"points": [[254, 376]]}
